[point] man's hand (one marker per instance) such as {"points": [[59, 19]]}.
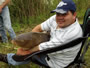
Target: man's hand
{"points": [[4, 4], [0, 9], [20, 51]]}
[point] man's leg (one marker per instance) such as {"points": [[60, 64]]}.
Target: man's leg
{"points": [[9, 60], [7, 22], [40, 60], [2, 31], [13, 62], [3, 36], [18, 60]]}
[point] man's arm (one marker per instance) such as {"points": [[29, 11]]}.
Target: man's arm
{"points": [[37, 28], [4, 4]]}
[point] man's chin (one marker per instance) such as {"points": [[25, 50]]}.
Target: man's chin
{"points": [[61, 26]]}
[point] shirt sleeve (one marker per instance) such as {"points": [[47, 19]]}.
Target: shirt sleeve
{"points": [[49, 44], [46, 25]]}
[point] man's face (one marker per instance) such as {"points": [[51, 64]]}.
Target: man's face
{"points": [[64, 20]]}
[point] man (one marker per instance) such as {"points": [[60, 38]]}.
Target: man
{"points": [[4, 13], [63, 27]]}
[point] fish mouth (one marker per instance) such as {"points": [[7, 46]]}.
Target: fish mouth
{"points": [[13, 42]]}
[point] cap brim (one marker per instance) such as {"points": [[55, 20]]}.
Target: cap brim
{"points": [[59, 11]]}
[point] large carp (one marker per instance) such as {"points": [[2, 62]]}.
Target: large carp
{"points": [[30, 39]]}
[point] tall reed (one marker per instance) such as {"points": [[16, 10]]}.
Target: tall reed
{"points": [[24, 9]]}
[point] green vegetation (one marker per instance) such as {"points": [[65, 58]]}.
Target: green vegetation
{"points": [[26, 14]]}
